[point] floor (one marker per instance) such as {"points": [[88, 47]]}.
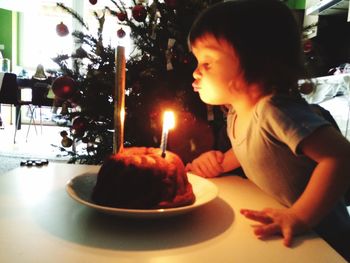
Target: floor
{"points": [[32, 141]]}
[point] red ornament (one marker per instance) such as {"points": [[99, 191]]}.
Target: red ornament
{"points": [[79, 125], [139, 13], [93, 2], [307, 46], [122, 16], [62, 30], [64, 87], [121, 33]]}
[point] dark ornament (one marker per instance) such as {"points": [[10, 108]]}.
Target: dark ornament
{"points": [[306, 87], [122, 16], [64, 87], [66, 142], [62, 30], [93, 2], [121, 33], [139, 13], [307, 46]]}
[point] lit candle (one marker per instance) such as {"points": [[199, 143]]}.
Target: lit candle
{"points": [[168, 123], [119, 100]]}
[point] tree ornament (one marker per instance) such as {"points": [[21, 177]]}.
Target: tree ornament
{"points": [[66, 142], [121, 33], [93, 2], [64, 87], [79, 125], [307, 46], [307, 87], [62, 30], [122, 16], [139, 13]]}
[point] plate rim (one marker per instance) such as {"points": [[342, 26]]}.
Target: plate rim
{"points": [[146, 212]]}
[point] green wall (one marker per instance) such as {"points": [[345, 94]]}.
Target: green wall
{"points": [[6, 32], [296, 4]]}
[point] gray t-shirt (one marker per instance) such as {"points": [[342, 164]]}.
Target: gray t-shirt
{"points": [[270, 157], [269, 154]]}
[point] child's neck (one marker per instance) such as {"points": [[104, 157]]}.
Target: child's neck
{"points": [[245, 105], [244, 114]]}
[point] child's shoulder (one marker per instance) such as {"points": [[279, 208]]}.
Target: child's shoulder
{"points": [[281, 105]]}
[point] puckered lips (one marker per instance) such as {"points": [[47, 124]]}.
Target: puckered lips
{"points": [[195, 86]]}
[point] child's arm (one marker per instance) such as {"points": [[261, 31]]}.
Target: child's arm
{"points": [[330, 179], [213, 163], [328, 183]]}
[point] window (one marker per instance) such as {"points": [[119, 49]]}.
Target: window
{"points": [[39, 42]]}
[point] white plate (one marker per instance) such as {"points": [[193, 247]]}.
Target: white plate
{"points": [[81, 186]]}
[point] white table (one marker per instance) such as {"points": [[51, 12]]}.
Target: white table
{"points": [[39, 222]]}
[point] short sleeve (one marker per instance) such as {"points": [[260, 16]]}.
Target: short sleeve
{"points": [[288, 120]]}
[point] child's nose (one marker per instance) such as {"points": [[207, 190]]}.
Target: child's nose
{"points": [[196, 73]]}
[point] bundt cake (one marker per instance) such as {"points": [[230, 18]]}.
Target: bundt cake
{"points": [[139, 178]]}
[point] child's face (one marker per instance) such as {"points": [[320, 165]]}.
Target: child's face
{"points": [[218, 77]]}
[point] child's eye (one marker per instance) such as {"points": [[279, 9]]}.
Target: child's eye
{"points": [[206, 65]]}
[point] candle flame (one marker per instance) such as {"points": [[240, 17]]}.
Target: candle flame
{"points": [[168, 120]]}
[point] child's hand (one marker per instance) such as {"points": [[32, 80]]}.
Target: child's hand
{"points": [[207, 164], [276, 221]]}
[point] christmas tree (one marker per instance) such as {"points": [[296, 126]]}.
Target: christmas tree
{"points": [[159, 76]]}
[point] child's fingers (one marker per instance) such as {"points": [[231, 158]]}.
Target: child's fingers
{"points": [[204, 169], [198, 169], [287, 236], [267, 230], [219, 156], [207, 165], [263, 231], [259, 216], [213, 165]]}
